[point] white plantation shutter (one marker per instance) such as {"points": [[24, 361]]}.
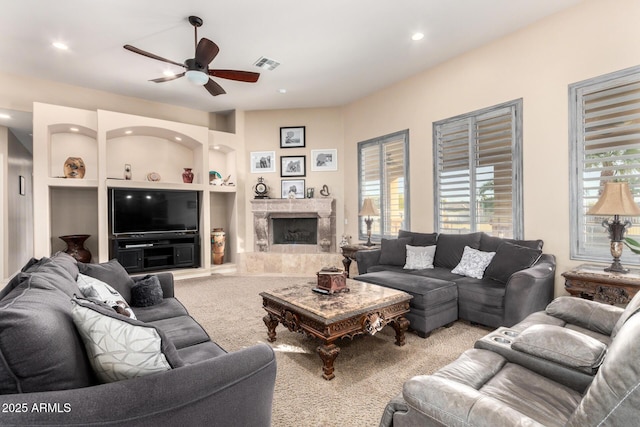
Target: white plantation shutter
{"points": [[383, 170], [605, 146], [477, 172]]}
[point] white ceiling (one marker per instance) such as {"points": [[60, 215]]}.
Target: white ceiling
{"points": [[331, 52]]}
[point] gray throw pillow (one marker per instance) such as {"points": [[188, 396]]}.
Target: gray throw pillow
{"points": [[146, 291], [492, 243], [111, 273], [419, 239], [394, 251], [121, 348], [450, 247], [509, 259]]}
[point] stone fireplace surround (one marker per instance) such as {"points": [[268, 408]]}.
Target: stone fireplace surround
{"points": [[265, 210]]}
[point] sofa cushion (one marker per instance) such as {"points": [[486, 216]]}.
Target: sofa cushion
{"points": [[60, 271], [35, 317], [509, 259], [183, 331], [146, 292], [473, 263], [199, 352], [587, 314], [483, 294], [394, 251], [632, 308], [119, 347], [419, 239], [96, 289], [491, 243], [112, 273], [419, 257], [167, 308], [450, 247]]}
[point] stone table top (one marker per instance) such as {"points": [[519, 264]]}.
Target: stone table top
{"points": [[361, 298]]}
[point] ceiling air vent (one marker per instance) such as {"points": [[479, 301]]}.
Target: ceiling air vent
{"points": [[266, 63]]}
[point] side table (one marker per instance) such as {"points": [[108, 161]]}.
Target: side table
{"points": [[592, 282], [349, 253]]}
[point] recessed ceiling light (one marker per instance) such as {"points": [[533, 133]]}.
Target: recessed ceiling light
{"points": [[4, 116], [60, 45], [178, 138], [282, 91], [128, 132], [74, 129], [417, 36], [168, 73]]}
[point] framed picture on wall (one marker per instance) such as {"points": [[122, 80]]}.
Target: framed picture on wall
{"points": [[263, 161], [292, 188], [292, 137], [293, 165], [324, 160]]}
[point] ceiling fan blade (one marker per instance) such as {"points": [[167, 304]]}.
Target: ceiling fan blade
{"points": [[241, 76], [214, 88], [151, 55], [206, 51], [166, 79]]}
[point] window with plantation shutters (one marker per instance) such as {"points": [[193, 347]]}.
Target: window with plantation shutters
{"points": [[383, 170], [605, 146], [478, 163]]}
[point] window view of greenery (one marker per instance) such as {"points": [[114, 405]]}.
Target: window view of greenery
{"points": [[478, 163], [383, 170], [606, 147]]}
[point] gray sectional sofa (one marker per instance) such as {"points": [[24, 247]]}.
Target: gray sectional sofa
{"points": [[48, 378], [518, 280], [573, 364]]}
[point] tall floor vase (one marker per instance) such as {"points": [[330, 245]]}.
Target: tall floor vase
{"points": [[75, 246], [218, 241]]}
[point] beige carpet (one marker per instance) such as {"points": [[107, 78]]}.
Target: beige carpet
{"points": [[369, 370]]}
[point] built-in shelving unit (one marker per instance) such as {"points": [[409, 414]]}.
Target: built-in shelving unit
{"points": [[108, 140]]}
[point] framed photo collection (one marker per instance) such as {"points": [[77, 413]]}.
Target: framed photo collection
{"points": [[263, 161], [292, 137], [324, 160], [292, 188]]}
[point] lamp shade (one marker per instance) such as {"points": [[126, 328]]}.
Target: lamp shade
{"points": [[367, 208], [616, 199]]}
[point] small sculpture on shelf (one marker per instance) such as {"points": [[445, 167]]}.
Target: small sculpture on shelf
{"points": [[324, 191], [74, 167], [187, 176], [127, 172], [261, 190]]}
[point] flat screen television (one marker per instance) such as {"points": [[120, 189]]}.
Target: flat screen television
{"points": [[142, 211]]}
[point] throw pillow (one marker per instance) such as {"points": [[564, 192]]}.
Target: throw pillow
{"points": [[509, 259], [450, 246], [394, 251], [96, 289], [120, 348], [473, 263], [420, 257], [112, 273], [146, 292], [419, 239]]}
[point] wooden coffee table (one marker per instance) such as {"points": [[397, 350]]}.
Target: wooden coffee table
{"points": [[364, 310]]}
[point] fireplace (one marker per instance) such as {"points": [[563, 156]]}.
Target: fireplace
{"points": [[294, 225], [294, 231]]}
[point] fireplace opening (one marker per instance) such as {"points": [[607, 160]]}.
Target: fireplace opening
{"points": [[295, 231]]}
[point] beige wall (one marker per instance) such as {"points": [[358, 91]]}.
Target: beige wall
{"points": [[536, 64], [17, 210], [324, 128]]}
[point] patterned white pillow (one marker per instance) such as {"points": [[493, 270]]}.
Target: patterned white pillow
{"points": [[121, 348], [473, 263], [100, 291], [420, 257]]}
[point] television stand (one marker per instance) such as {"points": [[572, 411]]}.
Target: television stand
{"points": [[156, 252]]}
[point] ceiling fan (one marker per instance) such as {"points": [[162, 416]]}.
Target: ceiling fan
{"points": [[197, 68]]}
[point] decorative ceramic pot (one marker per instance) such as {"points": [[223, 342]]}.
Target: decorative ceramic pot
{"points": [[218, 240], [74, 167], [75, 246], [187, 176]]}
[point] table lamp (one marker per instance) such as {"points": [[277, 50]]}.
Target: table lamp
{"points": [[368, 210], [616, 200]]}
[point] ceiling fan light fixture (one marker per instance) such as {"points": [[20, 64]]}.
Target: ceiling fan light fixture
{"points": [[197, 77]]}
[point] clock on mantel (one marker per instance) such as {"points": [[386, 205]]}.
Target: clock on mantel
{"points": [[261, 189]]}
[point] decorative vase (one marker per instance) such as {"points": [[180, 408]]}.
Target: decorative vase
{"points": [[218, 240], [75, 246], [187, 176], [127, 171]]}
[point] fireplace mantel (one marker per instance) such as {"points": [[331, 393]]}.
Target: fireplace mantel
{"points": [[266, 209]]}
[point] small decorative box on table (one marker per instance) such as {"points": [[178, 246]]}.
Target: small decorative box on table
{"points": [[331, 279]]}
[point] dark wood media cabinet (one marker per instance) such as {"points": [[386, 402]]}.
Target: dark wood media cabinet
{"points": [[156, 252]]}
